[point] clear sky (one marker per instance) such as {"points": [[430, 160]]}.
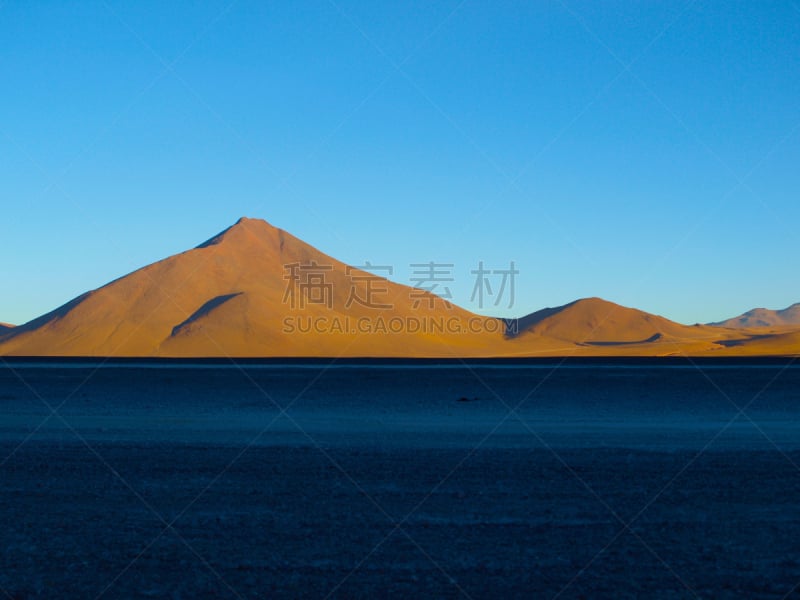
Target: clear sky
{"points": [[637, 151]]}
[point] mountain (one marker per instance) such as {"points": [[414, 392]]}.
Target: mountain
{"points": [[763, 317], [597, 321], [593, 326], [252, 290], [5, 327], [255, 290]]}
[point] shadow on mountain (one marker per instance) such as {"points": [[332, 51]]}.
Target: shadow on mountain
{"points": [[653, 338], [743, 341], [515, 327], [55, 314], [203, 311]]}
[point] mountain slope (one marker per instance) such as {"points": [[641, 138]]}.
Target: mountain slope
{"points": [[238, 295], [763, 317], [254, 290], [593, 326]]}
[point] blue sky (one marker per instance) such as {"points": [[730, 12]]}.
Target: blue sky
{"points": [[642, 152]]}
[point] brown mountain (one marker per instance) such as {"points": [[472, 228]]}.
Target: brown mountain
{"points": [[763, 317], [593, 326], [252, 290], [256, 291]]}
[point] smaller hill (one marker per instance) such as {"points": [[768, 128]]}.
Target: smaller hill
{"points": [[596, 327], [597, 322], [764, 317]]}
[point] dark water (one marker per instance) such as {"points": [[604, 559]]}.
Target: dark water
{"points": [[309, 480], [673, 407]]}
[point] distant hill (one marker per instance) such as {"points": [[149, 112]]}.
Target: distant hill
{"points": [[4, 327], [597, 321], [600, 327], [255, 290], [763, 317]]}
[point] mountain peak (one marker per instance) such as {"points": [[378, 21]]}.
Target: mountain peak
{"points": [[244, 225], [594, 302], [252, 220]]}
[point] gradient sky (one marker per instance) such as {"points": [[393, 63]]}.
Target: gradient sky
{"points": [[637, 151]]}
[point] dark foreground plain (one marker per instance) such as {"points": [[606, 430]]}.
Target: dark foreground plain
{"points": [[285, 482]]}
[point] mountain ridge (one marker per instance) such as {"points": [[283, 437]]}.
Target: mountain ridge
{"points": [[764, 317], [255, 290]]}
